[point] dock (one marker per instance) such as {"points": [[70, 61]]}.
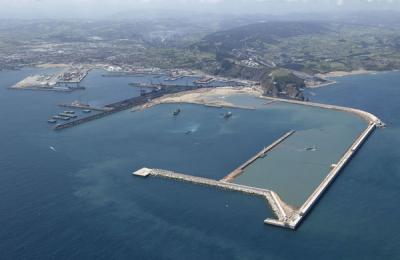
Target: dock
{"points": [[73, 75], [54, 82]]}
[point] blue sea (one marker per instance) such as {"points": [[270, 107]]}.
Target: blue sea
{"points": [[80, 201]]}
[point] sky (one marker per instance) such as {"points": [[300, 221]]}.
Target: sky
{"points": [[108, 8]]}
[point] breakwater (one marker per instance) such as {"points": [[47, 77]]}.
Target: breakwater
{"points": [[336, 168], [370, 118], [282, 211], [286, 215]]}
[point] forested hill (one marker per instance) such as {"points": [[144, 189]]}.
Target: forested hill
{"points": [[257, 34]]}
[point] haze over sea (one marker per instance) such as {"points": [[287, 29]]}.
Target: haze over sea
{"points": [[80, 201]]}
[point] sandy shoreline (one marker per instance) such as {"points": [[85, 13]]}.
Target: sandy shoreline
{"points": [[330, 77], [338, 74], [320, 85], [50, 66], [209, 97]]}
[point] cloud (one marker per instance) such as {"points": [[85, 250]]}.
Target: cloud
{"points": [[89, 8]]}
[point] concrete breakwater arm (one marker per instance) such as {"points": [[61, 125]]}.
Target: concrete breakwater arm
{"points": [[280, 209], [370, 118], [333, 173], [230, 177]]}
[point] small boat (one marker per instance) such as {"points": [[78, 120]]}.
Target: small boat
{"points": [[177, 112], [87, 111], [69, 112], [311, 149], [51, 121], [189, 132], [228, 115]]}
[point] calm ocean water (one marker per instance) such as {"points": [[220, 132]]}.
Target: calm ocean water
{"points": [[80, 201]]}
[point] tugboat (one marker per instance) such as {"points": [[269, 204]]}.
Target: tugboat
{"points": [[228, 115], [177, 112]]}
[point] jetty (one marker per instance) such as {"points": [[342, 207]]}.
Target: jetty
{"points": [[261, 154]]}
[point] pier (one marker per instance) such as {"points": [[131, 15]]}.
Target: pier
{"points": [[230, 177], [110, 109], [83, 106], [145, 97], [164, 85], [126, 104]]}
